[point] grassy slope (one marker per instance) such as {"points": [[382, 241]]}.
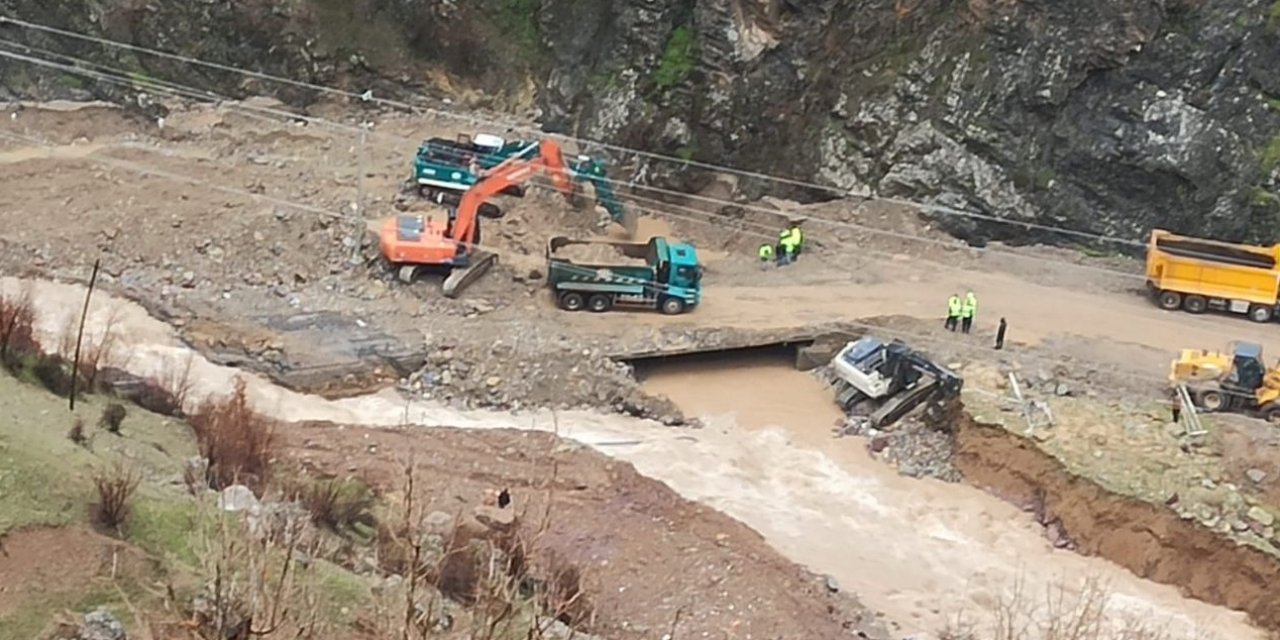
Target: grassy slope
{"points": [[47, 481]]}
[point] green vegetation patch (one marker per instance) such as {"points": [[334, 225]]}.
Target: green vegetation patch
{"points": [[678, 58], [1269, 155], [518, 20]]}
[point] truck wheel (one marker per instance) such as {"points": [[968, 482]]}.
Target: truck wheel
{"points": [[1195, 304], [1260, 313], [599, 303], [1169, 300], [407, 273], [673, 306], [1272, 414], [1211, 401], [572, 301]]}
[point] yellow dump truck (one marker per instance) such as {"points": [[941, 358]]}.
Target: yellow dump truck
{"points": [[1197, 275]]}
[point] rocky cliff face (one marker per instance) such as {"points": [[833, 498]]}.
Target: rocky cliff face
{"points": [[1109, 116]]}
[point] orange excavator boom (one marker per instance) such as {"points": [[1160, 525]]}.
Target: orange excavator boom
{"points": [[513, 171]]}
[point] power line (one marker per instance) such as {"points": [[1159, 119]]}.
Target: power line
{"points": [[366, 97], [666, 211], [194, 93]]}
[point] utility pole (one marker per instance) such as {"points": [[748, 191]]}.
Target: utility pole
{"points": [[358, 205]]}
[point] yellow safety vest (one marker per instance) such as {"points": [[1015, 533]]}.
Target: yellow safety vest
{"points": [[766, 252], [970, 305], [953, 307], [796, 236], [967, 309]]}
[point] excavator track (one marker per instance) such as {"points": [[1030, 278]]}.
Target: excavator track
{"points": [[901, 404], [460, 278]]}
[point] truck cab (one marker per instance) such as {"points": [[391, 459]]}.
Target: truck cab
{"points": [[678, 266]]}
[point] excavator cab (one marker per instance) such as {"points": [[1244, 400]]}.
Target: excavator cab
{"points": [[1247, 369]]}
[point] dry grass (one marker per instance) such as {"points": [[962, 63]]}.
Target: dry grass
{"points": [[17, 328], [115, 488], [98, 351], [342, 506], [113, 416], [76, 433], [238, 443], [257, 586], [1062, 613]]}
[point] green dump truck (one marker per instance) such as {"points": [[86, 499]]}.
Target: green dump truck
{"points": [[599, 275]]}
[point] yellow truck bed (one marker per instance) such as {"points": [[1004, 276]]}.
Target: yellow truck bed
{"points": [[1196, 275]]}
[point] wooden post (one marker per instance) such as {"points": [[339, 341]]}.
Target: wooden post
{"points": [[84, 313]]}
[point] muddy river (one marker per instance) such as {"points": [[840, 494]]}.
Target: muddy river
{"points": [[920, 551]]}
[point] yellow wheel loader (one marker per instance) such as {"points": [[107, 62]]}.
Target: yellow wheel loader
{"points": [[1234, 381]]}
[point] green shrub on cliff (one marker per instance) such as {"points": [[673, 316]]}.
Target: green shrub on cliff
{"points": [[677, 59]]}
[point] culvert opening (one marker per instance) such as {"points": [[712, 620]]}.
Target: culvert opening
{"points": [[775, 355], [751, 388]]}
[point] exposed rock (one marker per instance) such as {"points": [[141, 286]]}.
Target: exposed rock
{"points": [[1261, 516], [100, 624], [237, 497], [1256, 475], [1025, 110]]}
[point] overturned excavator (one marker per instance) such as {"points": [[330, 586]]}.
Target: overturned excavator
{"points": [[885, 381]]}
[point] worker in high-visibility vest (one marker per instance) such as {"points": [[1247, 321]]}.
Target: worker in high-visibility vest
{"points": [[954, 306], [797, 236], [784, 247], [789, 250], [766, 255], [968, 309]]}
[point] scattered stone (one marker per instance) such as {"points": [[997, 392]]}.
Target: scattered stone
{"points": [[100, 624], [496, 517], [1261, 516], [237, 497], [1256, 475]]}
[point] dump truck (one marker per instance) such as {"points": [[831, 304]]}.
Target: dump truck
{"points": [[444, 168], [598, 275], [1196, 275], [1236, 380], [881, 382]]}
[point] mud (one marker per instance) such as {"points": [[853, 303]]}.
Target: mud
{"points": [[1150, 541]]}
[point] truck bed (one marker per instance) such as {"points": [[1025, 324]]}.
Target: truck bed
{"points": [[1214, 252], [596, 254]]}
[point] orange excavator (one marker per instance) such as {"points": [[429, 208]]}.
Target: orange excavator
{"points": [[413, 243]]}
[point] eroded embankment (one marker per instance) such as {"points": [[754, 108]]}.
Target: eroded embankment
{"points": [[1151, 541]]}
